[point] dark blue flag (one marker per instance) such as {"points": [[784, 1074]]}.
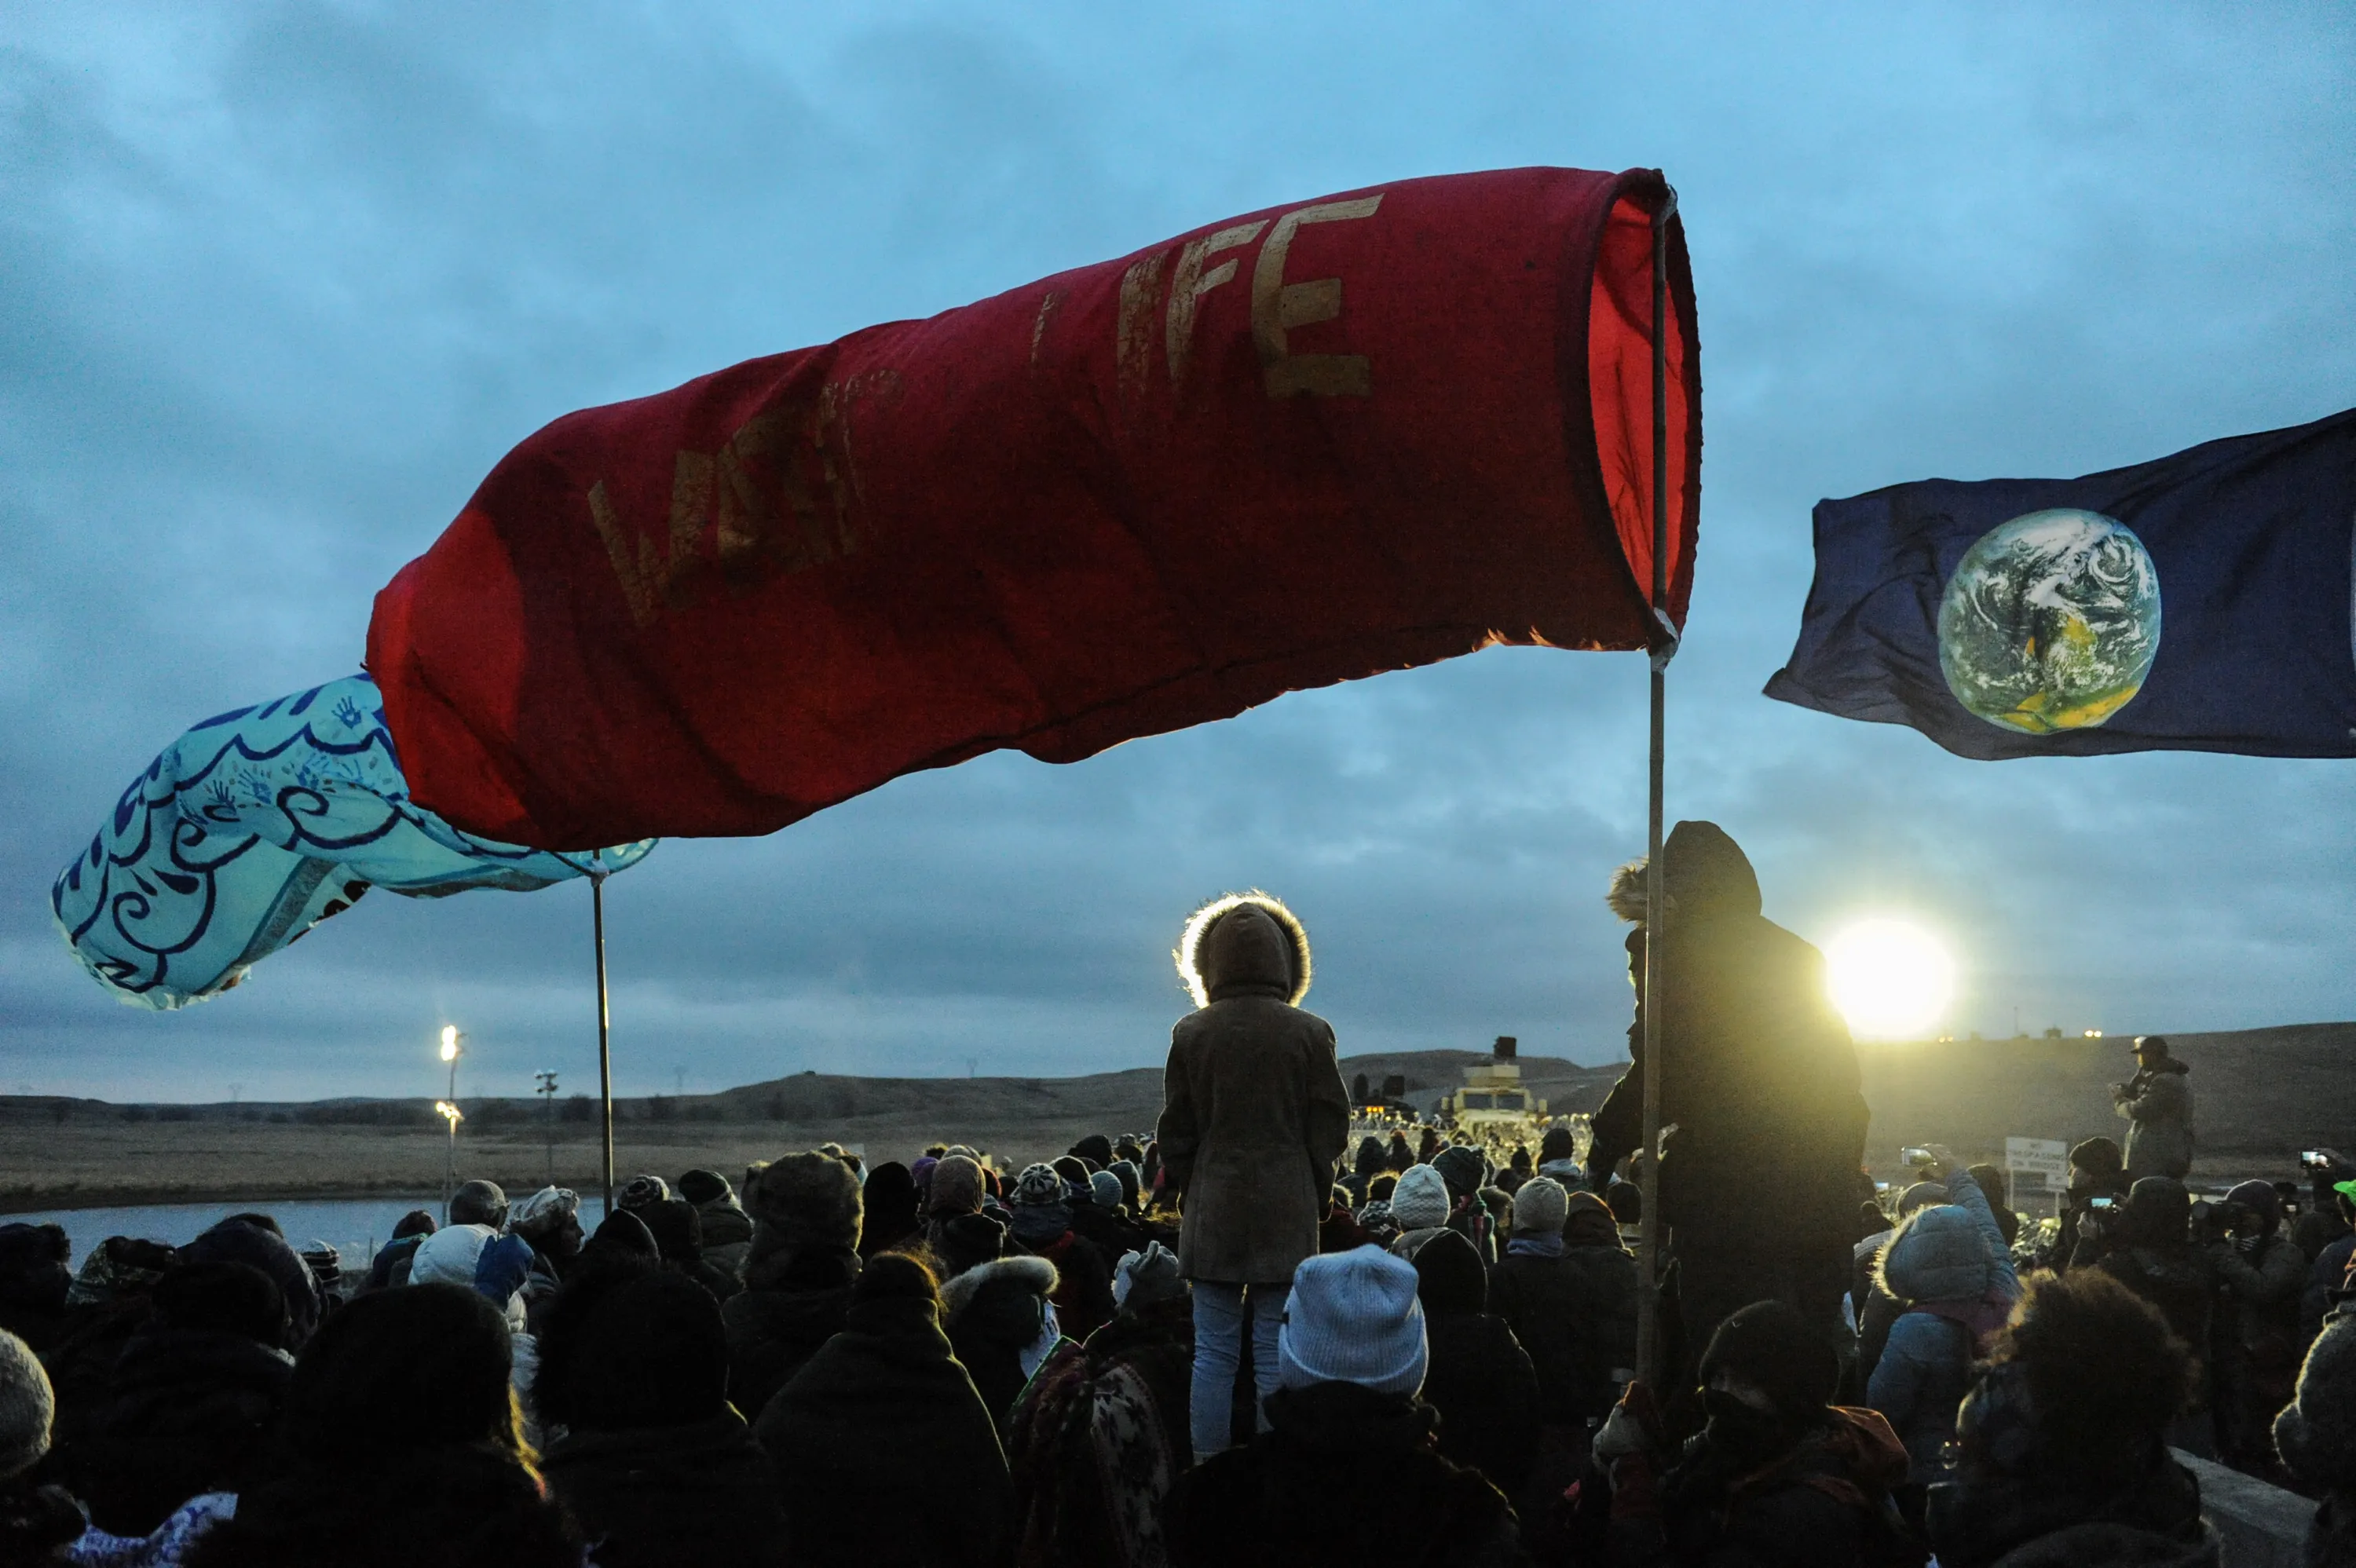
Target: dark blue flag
{"points": [[2201, 603]]}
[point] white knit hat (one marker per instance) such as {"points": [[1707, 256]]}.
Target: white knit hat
{"points": [[1421, 1199], [1352, 1318], [27, 1406]]}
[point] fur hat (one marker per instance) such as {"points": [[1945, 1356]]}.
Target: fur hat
{"points": [[1353, 1317], [2316, 1434], [1937, 1253], [1244, 944], [1625, 895], [804, 1201], [641, 1192], [1038, 1184], [1421, 1199], [26, 1407], [1540, 1206], [1770, 1344]]}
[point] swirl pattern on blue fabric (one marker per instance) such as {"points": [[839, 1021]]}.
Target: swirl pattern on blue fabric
{"points": [[257, 825]]}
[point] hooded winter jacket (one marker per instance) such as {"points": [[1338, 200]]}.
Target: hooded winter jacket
{"points": [[883, 1452], [1761, 1080], [1949, 1264], [1575, 1314], [1254, 1109], [999, 1320], [2158, 1108]]}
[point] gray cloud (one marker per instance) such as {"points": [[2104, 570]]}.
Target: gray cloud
{"points": [[283, 284]]}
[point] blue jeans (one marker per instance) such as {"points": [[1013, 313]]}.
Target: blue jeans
{"points": [[1219, 1315]]}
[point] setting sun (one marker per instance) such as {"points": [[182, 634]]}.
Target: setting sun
{"points": [[1890, 978]]}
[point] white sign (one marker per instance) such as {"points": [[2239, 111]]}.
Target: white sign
{"points": [[2035, 1165]]}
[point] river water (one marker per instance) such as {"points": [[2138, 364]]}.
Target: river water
{"points": [[352, 1226]]}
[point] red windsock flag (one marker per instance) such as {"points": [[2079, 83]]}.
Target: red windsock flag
{"points": [[1311, 443]]}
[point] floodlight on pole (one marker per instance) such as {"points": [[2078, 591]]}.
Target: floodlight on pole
{"points": [[450, 1114]]}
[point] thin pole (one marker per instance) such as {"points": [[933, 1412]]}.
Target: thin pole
{"points": [[1664, 647], [604, 1048]]}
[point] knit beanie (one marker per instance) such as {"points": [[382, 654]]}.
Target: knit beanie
{"points": [[1559, 1143], [2260, 1198], [968, 1240], [1540, 1206], [1146, 1277], [2316, 1433], [2097, 1156], [1588, 1222], [1105, 1187], [1380, 1188], [1421, 1199], [27, 1406], [956, 1187], [1463, 1169], [545, 1210], [804, 1201], [702, 1187], [1097, 1148], [1768, 1343], [1352, 1318], [1038, 1184], [1450, 1276]]}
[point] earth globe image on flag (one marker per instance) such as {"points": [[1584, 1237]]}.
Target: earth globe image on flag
{"points": [[2051, 622]]}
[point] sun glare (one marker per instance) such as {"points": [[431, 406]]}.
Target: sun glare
{"points": [[1891, 979]]}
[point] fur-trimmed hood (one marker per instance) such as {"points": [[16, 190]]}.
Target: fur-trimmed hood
{"points": [[1034, 1276], [1244, 944]]}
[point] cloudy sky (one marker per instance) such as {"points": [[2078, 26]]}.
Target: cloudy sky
{"points": [[279, 284]]}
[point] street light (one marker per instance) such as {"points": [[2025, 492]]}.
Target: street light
{"points": [[450, 1114], [547, 1092]]}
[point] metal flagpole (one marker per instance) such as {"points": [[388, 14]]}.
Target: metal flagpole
{"points": [[1663, 648], [604, 1049]]}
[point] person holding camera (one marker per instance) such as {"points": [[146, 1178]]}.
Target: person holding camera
{"points": [[2262, 1272], [2158, 1106], [2098, 1186]]}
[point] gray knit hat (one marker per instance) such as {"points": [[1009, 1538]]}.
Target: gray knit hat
{"points": [[1353, 1317], [1540, 1206], [2316, 1433], [1104, 1188], [1420, 1200], [27, 1405]]}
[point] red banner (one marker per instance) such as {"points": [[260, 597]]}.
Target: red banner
{"points": [[1311, 443]]}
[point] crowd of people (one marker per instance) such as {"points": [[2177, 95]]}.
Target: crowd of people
{"points": [[1233, 1339]]}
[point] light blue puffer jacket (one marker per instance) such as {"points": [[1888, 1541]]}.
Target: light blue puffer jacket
{"points": [[1951, 1255]]}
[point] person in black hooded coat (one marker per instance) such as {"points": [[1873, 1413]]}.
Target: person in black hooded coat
{"points": [[34, 1279], [1761, 1084], [656, 1467], [193, 1399], [1479, 1379], [806, 1211], [881, 1449]]}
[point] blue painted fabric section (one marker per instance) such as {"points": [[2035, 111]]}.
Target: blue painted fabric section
{"points": [[257, 825]]}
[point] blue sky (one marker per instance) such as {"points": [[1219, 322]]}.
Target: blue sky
{"points": [[279, 284]]}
